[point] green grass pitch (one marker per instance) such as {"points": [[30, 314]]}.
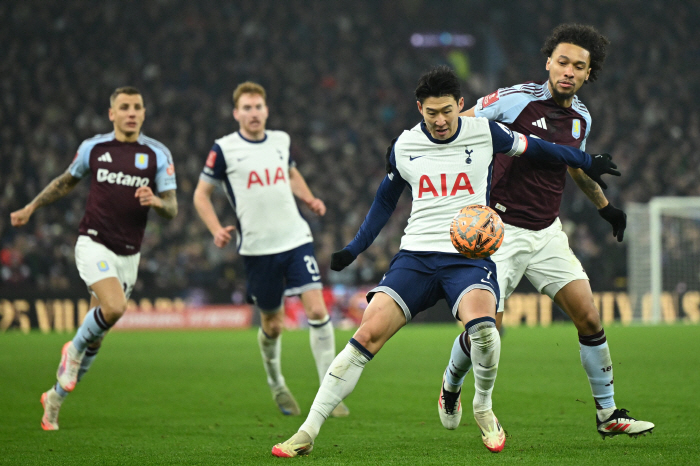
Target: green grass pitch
{"points": [[200, 398]]}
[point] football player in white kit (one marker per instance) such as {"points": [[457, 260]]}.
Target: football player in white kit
{"points": [[446, 161], [254, 167]]}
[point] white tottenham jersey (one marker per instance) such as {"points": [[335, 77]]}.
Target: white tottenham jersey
{"points": [[255, 176], [444, 178]]}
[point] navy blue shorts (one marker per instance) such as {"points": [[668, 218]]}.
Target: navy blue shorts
{"points": [[274, 276], [417, 280]]}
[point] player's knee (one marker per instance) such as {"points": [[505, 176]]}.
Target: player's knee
{"points": [[273, 327], [317, 312], [588, 321], [113, 310], [370, 337]]}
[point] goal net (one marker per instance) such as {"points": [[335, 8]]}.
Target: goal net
{"points": [[663, 259]]}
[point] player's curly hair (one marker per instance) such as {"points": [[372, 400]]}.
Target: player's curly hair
{"points": [[584, 36], [438, 82]]}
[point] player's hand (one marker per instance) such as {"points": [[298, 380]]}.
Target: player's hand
{"points": [[147, 198], [223, 236], [21, 217], [341, 259], [317, 206], [601, 164], [615, 217]]}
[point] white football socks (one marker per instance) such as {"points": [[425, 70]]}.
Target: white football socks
{"points": [[322, 339], [460, 363], [595, 358], [338, 383], [485, 352], [270, 349]]}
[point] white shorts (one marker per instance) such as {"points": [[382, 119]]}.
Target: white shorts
{"points": [[96, 262], [543, 256]]}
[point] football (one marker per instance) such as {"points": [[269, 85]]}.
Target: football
{"points": [[477, 231]]}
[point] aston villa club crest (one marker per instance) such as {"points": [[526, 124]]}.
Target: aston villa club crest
{"points": [[576, 129], [141, 161]]}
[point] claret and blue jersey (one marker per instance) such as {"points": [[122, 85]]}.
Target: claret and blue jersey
{"points": [[113, 216], [527, 193]]}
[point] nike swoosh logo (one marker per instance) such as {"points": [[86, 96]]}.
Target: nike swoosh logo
{"points": [[485, 281], [333, 375], [485, 367], [412, 158], [315, 278]]}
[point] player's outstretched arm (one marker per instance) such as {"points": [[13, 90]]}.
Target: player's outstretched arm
{"points": [[165, 204], [383, 206], [205, 209], [617, 218], [301, 190], [59, 187]]}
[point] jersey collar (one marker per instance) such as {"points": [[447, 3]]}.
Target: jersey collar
{"points": [[442, 141], [250, 140]]}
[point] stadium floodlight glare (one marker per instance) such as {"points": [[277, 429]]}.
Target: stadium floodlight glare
{"points": [[442, 39], [663, 258]]}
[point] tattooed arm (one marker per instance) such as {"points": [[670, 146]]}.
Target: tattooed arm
{"points": [[59, 187], [165, 204], [589, 187], [617, 218]]}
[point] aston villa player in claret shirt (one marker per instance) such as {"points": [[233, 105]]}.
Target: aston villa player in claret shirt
{"points": [[527, 194], [129, 173]]}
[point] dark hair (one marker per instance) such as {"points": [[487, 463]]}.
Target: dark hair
{"points": [[586, 37], [128, 90], [438, 82]]}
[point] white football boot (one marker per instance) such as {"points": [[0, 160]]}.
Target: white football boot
{"points": [[492, 434], [299, 444], [620, 422], [68, 368], [449, 407], [51, 401], [285, 401]]}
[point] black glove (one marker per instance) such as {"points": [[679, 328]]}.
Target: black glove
{"points": [[615, 217], [601, 164], [387, 156], [341, 259]]}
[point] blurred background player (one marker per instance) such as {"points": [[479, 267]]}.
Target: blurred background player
{"points": [[446, 162], [125, 167], [527, 194], [260, 179]]}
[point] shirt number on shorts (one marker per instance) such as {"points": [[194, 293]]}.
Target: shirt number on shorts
{"points": [[312, 267]]}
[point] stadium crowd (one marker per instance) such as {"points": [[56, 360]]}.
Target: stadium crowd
{"points": [[340, 79]]}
